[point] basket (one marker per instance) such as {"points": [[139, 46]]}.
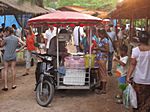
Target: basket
{"points": [[90, 60]]}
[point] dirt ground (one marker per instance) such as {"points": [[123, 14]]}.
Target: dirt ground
{"points": [[22, 99]]}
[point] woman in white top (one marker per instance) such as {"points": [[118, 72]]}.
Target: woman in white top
{"points": [[140, 65]]}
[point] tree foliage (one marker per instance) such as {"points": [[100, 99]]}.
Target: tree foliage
{"points": [[91, 4]]}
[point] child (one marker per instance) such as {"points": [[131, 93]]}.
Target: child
{"points": [[121, 70]]}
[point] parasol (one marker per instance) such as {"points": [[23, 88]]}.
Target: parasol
{"points": [[59, 18]]}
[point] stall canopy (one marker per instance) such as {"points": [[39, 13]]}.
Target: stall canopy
{"points": [[129, 9], [58, 18], [9, 20], [13, 7]]}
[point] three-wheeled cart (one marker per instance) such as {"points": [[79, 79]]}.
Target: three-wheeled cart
{"points": [[80, 70]]}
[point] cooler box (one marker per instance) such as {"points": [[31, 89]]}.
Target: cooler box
{"points": [[74, 77]]}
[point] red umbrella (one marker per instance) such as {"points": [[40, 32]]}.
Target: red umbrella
{"points": [[59, 18]]}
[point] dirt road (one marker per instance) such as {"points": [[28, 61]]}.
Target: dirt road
{"points": [[22, 99]]}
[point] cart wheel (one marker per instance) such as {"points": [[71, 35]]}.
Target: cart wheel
{"points": [[44, 93]]}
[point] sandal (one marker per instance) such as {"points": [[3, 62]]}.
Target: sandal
{"points": [[97, 91], [5, 89], [119, 101], [25, 74], [102, 92], [14, 87]]}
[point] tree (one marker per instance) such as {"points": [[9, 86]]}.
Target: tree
{"points": [[91, 4]]}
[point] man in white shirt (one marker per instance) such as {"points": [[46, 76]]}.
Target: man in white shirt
{"points": [[78, 32], [49, 34], [112, 35]]}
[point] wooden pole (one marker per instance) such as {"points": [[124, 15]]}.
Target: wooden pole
{"points": [[116, 28], [146, 27], [130, 34], [141, 24]]}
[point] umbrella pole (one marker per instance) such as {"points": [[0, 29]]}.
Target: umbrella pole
{"points": [[90, 34], [57, 56], [57, 48]]}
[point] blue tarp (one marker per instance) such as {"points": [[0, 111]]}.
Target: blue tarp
{"points": [[10, 19]]}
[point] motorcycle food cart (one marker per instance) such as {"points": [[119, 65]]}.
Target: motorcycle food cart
{"points": [[79, 68]]}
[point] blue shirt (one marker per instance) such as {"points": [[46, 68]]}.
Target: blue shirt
{"points": [[102, 55]]}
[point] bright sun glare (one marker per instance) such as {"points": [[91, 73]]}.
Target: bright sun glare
{"points": [[120, 0]]}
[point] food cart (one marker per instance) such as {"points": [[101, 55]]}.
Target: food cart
{"points": [[78, 66]]}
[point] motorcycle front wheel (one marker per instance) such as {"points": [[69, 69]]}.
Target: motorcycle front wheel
{"points": [[44, 93]]}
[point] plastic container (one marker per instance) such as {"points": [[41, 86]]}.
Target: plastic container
{"points": [[90, 60]]}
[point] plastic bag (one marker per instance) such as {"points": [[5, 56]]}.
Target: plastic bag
{"points": [[126, 93], [129, 97], [133, 97]]}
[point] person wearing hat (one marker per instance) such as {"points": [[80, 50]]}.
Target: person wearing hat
{"points": [[140, 69]]}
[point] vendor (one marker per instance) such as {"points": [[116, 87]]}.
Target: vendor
{"points": [[85, 43], [102, 57], [53, 50]]}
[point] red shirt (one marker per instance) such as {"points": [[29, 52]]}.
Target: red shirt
{"points": [[30, 42]]}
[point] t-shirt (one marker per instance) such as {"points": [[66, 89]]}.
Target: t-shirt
{"points": [[49, 35], [11, 43], [120, 35], [85, 43], [112, 35], [30, 41], [102, 55], [122, 69], [142, 69], [76, 30], [18, 33]]}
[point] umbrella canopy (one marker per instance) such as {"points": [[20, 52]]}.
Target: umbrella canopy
{"points": [[59, 18]]}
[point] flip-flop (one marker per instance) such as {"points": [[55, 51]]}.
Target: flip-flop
{"points": [[14, 87], [5, 89], [25, 74]]}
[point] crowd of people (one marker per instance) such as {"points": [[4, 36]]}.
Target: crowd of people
{"points": [[102, 45]]}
